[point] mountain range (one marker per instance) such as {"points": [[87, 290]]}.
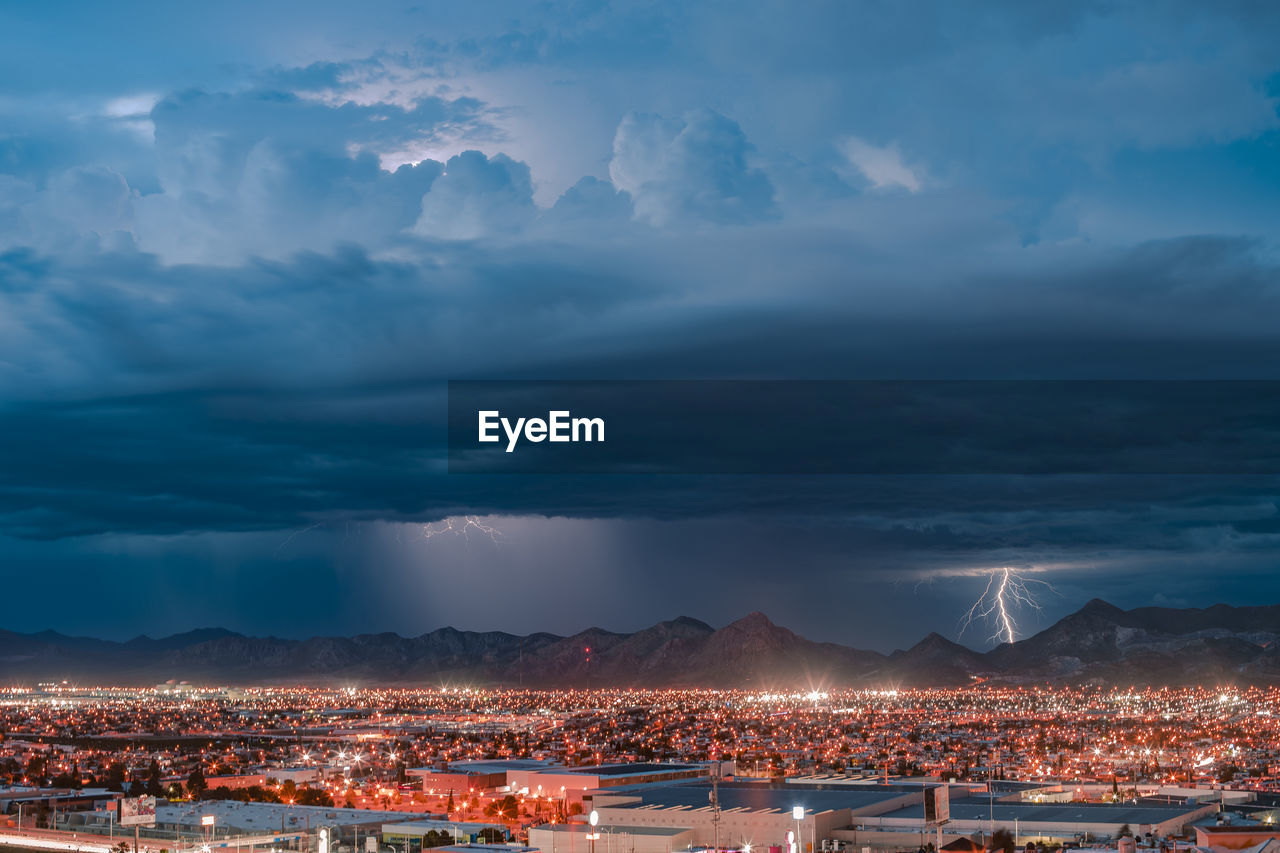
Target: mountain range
{"points": [[1100, 644]]}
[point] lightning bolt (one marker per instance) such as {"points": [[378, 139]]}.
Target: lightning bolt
{"points": [[1006, 592], [462, 525], [295, 534], [458, 525]]}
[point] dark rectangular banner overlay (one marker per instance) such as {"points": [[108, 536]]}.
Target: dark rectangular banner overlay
{"points": [[864, 427]]}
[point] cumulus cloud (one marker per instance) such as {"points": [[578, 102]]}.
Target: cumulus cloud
{"points": [[133, 112], [477, 196], [267, 173], [883, 166], [591, 201], [83, 208], [264, 173], [698, 167]]}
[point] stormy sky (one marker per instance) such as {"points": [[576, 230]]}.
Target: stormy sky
{"points": [[243, 247]]}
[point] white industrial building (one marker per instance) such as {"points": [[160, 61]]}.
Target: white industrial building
{"points": [[574, 838], [863, 815], [760, 815], [1049, 822]]}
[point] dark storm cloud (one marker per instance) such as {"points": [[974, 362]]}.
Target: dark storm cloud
{"points": [[865, 427], [242, 249], [275, 394]]}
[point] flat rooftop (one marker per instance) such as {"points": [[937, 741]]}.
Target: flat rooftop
{"points": [[16, 794], [958, 789], [499, 765], [1055, 812], [425, 825], [581, 829], [634, 769], [766, 797], [268, 817]]}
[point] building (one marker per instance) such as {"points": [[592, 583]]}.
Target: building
{"points": [[1230, 837], [1049, 822], [879, 817], [546, 779], [408, 836], [751, 813], [296, 775], [573, 838], [36, 800], [491, 775], [233, 782], [230, 819], [571, 783]]}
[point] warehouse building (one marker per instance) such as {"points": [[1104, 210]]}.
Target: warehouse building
{"points": [[575, 838], [750, 813], [229, 818], [1050, 822], [412, 836], [485, 775], [546, 779], [570, 783]]}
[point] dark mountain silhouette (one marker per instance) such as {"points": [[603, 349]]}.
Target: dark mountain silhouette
{"points": [[936, 660], [1150, 645], [1099, 643]]}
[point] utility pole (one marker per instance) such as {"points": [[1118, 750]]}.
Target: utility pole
{"points": [[991, 794], [715, 805], [925, 823]]}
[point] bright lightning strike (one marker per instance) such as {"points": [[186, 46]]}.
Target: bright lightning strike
{"points": [[462, 525], [1006, 593]]}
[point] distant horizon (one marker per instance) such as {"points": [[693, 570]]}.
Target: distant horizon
{"points": [[1219, 645], [569, 635]]}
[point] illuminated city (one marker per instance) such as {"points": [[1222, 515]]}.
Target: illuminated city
{"points": [[495, 763]]}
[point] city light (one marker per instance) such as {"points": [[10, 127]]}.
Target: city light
{"points": [[1099, 745]]}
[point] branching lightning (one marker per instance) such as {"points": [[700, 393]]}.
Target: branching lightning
{"points": [[465, 526], [1007, 592], [295, 534], [462, 525]]}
